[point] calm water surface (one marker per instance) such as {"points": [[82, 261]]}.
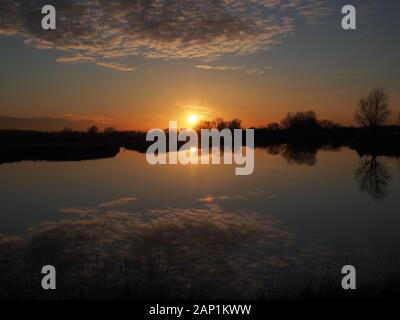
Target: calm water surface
{"points": [[296, 218]]}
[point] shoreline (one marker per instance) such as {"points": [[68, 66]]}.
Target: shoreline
{"points": [[18, 146]]}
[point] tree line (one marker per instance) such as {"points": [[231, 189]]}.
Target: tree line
{"points": [[372, 112]]}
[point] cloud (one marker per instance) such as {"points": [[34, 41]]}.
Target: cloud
{"points": [[248, 71], [219, 68], [255, 71], [75, 59], [115, 66], [89, 117], [313, 11], [104, 32]]}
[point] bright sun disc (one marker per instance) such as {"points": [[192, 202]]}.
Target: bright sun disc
{"points": [[192, 119]]}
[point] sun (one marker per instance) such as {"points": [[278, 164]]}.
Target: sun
{"points": [[192, 119]]}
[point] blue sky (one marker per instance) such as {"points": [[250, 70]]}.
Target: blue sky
{"points": [[137, 64]]}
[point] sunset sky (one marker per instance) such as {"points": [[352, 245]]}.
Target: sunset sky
{"points": [[139, 64]]}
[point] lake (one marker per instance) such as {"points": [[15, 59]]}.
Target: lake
{"points": [[116, 226]]}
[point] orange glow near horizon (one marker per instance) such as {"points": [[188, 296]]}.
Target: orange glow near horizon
{"points": [[192, 120]]}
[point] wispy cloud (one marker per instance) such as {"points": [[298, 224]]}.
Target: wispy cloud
{"points": [[88, 117], [218, 68], [84, 58], [250, 194], [115, 66], [75, 59], [246, 70], [105, 32], [255, 71]]}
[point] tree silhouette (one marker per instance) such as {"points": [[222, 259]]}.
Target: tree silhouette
{"points": [[328, 125], [273, 126], [220, 124], [67, 130], [373, 110], [234, 124], [300, 121], [93, 129]]}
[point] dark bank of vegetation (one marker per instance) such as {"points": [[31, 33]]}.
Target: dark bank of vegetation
{"points": [[66, 145], [74, 146], [96, 278], [301, 130], [373, 136]]}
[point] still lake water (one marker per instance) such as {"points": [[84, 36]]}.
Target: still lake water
{"points": [[199, 226]]}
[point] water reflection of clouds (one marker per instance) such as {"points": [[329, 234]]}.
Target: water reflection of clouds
{"points": [[118, 203], [186, 249], [250, 194]]}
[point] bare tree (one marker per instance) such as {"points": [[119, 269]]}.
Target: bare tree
{"points": [[205, 124], [234, 124], [220, 124], [373, 110]]}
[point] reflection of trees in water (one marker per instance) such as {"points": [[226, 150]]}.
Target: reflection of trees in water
{"points": [[295, 154], [372, 174], [299, 154], [273, 149], [373, 177]]}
